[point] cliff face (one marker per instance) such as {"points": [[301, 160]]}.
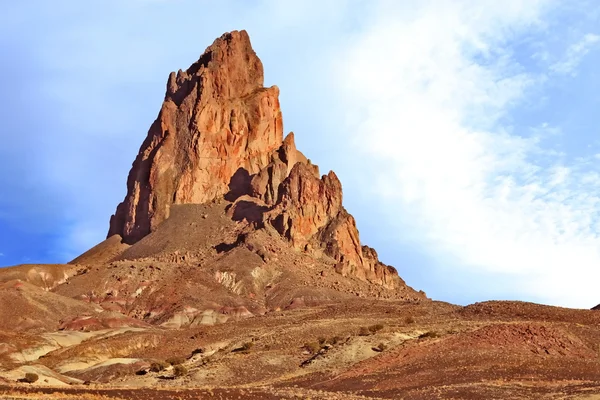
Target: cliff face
{"points": [[219, 134], [289, 196], [216, 118]]}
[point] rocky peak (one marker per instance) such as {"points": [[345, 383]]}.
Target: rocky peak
{"points": [[228, 69], [219, 135], [216, 119]]}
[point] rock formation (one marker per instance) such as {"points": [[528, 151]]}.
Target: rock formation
{"points": [[219, 134], [216, 118]]}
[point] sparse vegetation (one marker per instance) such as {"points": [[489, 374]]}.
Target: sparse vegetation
{"points": [[244, 348], [409, 320], [335, 340], [175, 360], [158, 366], [179, 370], [30, 377], [206, 361], [364, 331], [429, 334], [375, 328], [312, 347], [322, 340]]}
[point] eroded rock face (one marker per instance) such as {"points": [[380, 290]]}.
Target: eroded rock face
{"points": [[216, 119], [306, 209], [219, 134]]}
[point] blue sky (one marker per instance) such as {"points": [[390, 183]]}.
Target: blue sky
{"points": [[465, 132]]}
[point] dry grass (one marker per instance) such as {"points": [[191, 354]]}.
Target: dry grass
{"points": [[312, 347], [8, 395], [430, 334], [375, 328], [364, 331], [30, 377], [180, 371]]}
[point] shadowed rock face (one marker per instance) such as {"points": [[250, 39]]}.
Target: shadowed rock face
{"points": [[216, 118], [219, 135]]}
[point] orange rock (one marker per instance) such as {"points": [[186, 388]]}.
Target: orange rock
{"points": [[216, 119], [219, 134]]}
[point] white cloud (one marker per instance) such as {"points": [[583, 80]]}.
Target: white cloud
{"points": [[575, 54], [427, 86]]}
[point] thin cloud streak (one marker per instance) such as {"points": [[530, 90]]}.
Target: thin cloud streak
{"points": [[575, 54]]}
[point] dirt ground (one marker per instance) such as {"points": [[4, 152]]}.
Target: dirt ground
{"points": [[424, 350]]}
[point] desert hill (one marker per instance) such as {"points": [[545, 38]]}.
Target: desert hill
{"points": [[232, 270]]}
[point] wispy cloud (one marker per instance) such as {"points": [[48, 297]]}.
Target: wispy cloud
{"points": [[429, 90], [574, 54]]}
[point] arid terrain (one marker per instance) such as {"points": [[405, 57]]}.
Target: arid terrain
{"points": [[232, 270]]}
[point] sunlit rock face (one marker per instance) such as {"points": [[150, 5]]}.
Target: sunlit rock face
{"points": [[216, 118], [219, 134]]}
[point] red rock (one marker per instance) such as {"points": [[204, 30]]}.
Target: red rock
{"points": [[310, 214], [219, 134], [306, 204], [216, 118]]}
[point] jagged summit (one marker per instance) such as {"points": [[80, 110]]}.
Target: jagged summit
{"points": [[216, 118], [219, 135]]}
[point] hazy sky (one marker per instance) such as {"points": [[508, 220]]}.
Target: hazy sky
{"points": [[465, 132]]}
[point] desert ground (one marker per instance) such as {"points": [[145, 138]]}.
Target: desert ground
{"points": [[232, 270]]}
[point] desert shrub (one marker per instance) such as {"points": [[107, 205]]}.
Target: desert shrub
{"points": [[335, 340], [158, 366], [206, 361], [179, 370], [364, 331], [312, 347], [409, 320], [375, 328], [430, 334], [244, 348], [175, 360], [30, 377]]}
